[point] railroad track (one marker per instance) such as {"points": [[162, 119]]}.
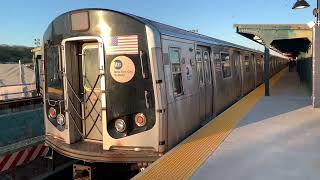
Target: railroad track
{"points": [[62, 168]]}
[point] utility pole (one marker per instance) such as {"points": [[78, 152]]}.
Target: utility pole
{"points": [[316, 52], [266, 71], [316, 59]]}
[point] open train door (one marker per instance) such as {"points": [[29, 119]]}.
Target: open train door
{"points": [[85, 88], [92, 102]]}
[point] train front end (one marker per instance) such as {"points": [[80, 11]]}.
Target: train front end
{"points": [[101, 100]]}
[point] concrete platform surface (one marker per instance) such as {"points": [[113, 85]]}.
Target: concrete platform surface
{"points": [[278, 139]]}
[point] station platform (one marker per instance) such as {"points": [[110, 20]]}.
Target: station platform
{"points": [[276, 137]]}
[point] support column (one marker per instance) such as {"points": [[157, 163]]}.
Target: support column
{"points": [[266, 71], [37, 74], [316, 67]]}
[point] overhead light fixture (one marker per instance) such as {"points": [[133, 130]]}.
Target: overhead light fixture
{"points": [[300, 4]]}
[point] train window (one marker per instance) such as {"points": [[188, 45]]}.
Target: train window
{"points": [[80, 21], [89, 68], [226, 65], [54, 79], [207, 67], [175, 59], [247, 63], [199, 66]]}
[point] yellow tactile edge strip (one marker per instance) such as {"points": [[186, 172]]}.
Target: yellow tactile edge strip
{"points": [[182, 161]]}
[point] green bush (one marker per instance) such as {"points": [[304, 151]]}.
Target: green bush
{"points": [[12, 54]]}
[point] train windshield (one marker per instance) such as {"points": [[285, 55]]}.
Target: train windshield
{"points": [[54, 80]]}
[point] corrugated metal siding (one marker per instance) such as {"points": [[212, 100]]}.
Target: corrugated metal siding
{"points": [[304, 68]]}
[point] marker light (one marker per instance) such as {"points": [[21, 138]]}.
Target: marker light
{"points": [[120, 125], [140, 120], [61, 120], [52, 113]]}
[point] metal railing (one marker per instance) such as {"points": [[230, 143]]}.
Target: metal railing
{"points": [[80, 116]]}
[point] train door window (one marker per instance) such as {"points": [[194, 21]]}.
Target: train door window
{"points": [[247, 63], [89, 67], [253, 58], [175, 59], [207, 68], [199, 66], [226, 65], [236, 59]]}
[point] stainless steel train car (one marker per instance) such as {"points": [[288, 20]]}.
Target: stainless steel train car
{"points": [[122, 88]]}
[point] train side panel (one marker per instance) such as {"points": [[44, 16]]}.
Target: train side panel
{"points": [[227, 72], [259, 69], [181, 87], [248, 72]]}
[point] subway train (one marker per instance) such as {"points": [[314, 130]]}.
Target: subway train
{"points": [[124, 89]]}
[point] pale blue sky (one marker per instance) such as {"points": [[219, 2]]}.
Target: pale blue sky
{"points": [[22, 21]]}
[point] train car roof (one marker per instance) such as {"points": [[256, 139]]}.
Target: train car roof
{"points": [[177, 32], [184, 34]]}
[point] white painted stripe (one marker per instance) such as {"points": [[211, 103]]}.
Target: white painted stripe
{"points": [[36, 152], [127, 43], [128, 40], [1, 158], [128, 37], [123, 49], [23, 157], [45, 151], [124, 52], [10, 161], [116, 53], [125, 39]]}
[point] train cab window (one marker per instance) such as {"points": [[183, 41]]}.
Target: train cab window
{"points": [[207, 67], [175, 59], [226, 65], [199, 66], [247, 63], [54, 76]]}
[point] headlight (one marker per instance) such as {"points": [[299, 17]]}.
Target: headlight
{"points": [[61, 120], [120, 125]]}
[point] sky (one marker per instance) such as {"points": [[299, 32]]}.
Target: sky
{"points": [[23, 21]]}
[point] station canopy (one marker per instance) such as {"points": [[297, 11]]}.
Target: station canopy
{"points": [[288, 39]]}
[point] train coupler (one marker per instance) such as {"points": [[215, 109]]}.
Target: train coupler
{"points": [[141, 166], [83, 172]]}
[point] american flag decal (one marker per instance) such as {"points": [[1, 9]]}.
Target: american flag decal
{"points": [[123, 45]]}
